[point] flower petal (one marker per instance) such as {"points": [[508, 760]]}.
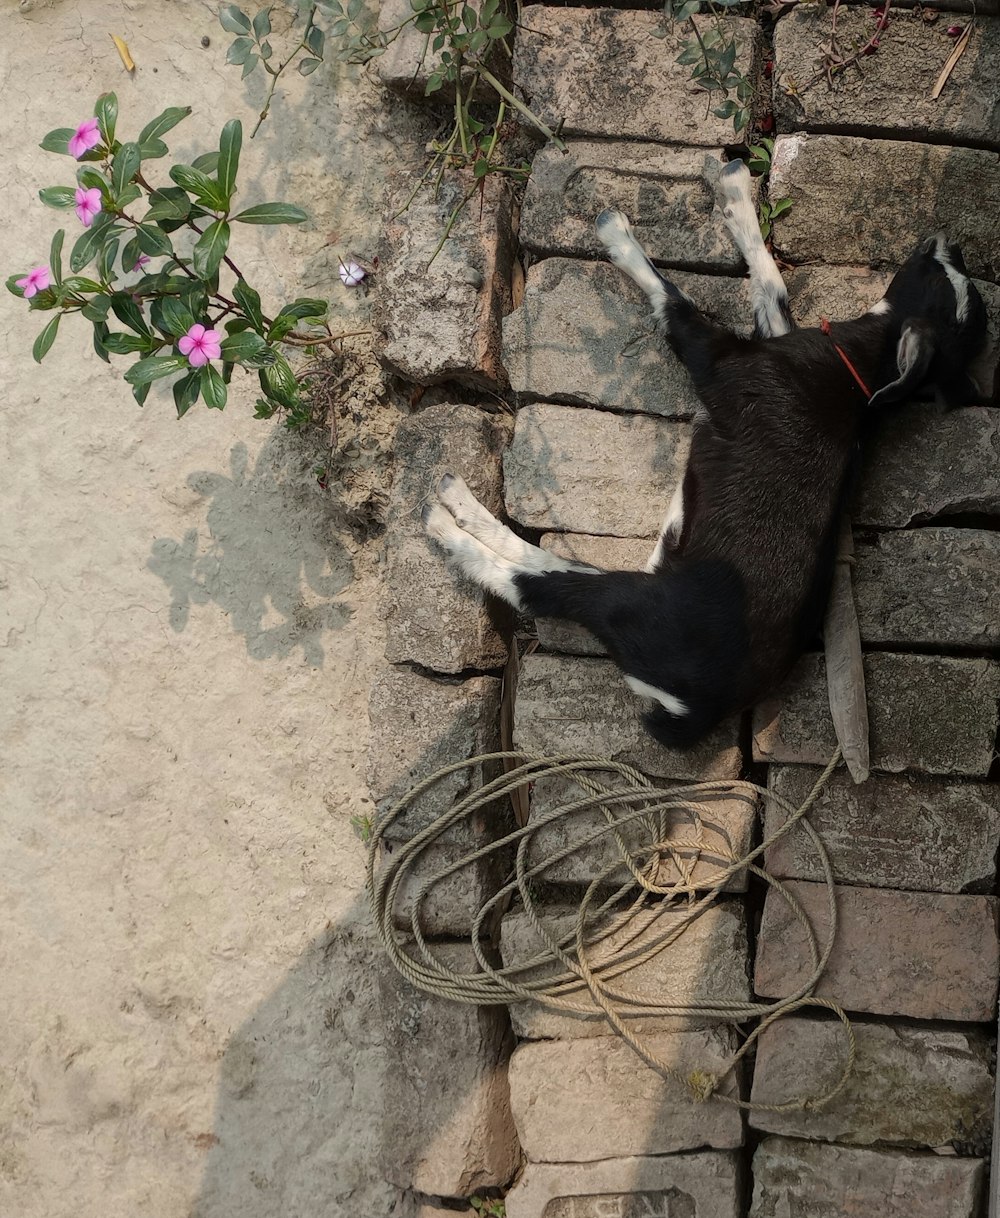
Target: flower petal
{"points": [[196, 332], [212, 351], [185, 344], [197, 358], [211, 336]]}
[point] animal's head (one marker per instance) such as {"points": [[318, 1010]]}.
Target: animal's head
{"points": [[938, 324]]}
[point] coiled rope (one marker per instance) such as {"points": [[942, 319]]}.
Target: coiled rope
{"points": [[572, 969]]}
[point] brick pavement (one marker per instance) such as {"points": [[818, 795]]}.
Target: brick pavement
{"points": [[601, 424]]}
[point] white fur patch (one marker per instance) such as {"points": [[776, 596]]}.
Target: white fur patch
{"points": [[957, 279], [672, 705], [615, 234], [767, 288], [880, 308], [673, 523]]}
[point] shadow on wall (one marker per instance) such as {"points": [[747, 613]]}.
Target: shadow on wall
{"points": [[272, 562]]}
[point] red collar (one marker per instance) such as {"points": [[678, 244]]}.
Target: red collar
{"points": [[824, 325]]}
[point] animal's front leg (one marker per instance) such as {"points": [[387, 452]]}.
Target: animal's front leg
{"points": [[475, 560]]}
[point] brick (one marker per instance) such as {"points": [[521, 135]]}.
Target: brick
{"points": [[407, 62], [861, 201], [667, 193], [923, 955], [928, 713], [805, 1180], [576, 1101], [896, 84], [707, 963], [588, 471], [726, 832], [926, 462], [447, 1126], [450, 905], [705, 1185], [434, 618], [910, 1086], [417, 727], [604, 72], [569, 704], [611, 553], [440, 320], [930, 587], [582, 335], [889, 832]]}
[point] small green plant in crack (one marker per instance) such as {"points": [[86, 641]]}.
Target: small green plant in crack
{"points": [[486, 1208], [760, 164], [711, 53], [363, 827], [466, 40]]}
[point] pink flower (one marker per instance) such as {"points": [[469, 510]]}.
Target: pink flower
{"points": [[85, 137], [955, 30], [88, 205], [200, 345], [35, 281], [140, 262]]}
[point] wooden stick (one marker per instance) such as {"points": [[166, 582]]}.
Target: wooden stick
{"points": [[845, 674], [952, 59]]}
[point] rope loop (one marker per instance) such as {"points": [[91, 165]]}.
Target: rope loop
{"points": [[640, 901]]}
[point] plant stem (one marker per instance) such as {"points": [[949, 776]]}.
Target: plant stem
{"points": [[322, 340], [533, 118], [275, 73]]}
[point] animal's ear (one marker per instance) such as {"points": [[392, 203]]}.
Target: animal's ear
{"points": [[914, 353]]}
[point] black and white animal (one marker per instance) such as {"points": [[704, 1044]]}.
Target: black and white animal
{"points": [[737, 584]]}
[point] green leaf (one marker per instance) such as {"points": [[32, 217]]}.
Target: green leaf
{"points": [[125, 166], [726, 110], [153, 241], [55, 255], [151, 149], [154, 367], [229, 155], [172, 316], [58, 196], [208, 162], [239, 50], [249, 302], [106, 112], [124, 344], [266, 51], [130, 254], [58, 140], [96, 310], [92, 179], [779, 207], [251, 62], [213, 388], [186, 392], [305, 306], [100, 334], [163, 123], [278, 382], [77, 283], [45, 340], [262, 23], [234, 19], [210, 248], [170, 203], [315, 40], [247, 348], [727, 60], [129, 313], [140, 393], [90, 244], [354, 9], [199, 184], [306, 66], [501, 28], [271, 213]]}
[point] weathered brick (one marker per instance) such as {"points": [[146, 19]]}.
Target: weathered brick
{"points": [[806, 1180], [707, 963], [861, 201], [440, 320], [667, 193], [451, 904], [582, 335], [910, 1086], [569, 704], [929, 713], [588, 471], [575, 1101], [889, 832], [614, 73], [433, 617], [894, 91], [726, 830], [611, 553], [927, 462], [923, 955], [417, 727], [705, 1185], [406, 64], [447, 1126], [932, 587]]}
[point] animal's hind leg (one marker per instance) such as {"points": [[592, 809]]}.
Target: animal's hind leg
{"points": [[615, 234], [768, 295]]}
